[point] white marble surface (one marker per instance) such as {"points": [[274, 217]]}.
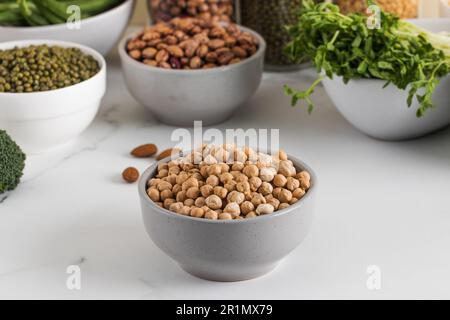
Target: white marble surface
{"points": [[379, 203]]}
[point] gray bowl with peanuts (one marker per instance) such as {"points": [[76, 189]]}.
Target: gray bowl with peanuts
{"points": [[228, 220], [183, 75]]}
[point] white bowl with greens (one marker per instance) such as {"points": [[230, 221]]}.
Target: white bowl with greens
{"points": [[101, 27], [41, 118], [392, 82], [382, 112]]}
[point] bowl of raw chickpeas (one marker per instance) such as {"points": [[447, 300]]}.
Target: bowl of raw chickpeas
{"points": [[226, 213]]}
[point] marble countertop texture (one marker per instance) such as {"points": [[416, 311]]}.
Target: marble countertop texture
{"points": [[382, 204]]}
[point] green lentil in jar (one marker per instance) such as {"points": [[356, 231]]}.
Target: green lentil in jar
{"points": [[42, 68], [269, 18]]}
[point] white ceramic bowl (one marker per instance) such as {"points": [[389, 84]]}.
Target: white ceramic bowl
{"points": [[445, 9], [40, 121], [383, 113], [100, 32], [232, 250], [179, 97]]}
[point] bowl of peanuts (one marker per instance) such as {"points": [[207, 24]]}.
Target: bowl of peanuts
{"points": [[226, 213], [189, 69]]}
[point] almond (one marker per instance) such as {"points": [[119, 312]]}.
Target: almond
{"points": [[167, 153], [145, 151], [130, 175]]}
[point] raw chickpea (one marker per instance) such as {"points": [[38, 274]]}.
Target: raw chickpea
{"points": [[189, 202], [243, 187], [163, 166], [153, 193], [241, 178], [166, 194], [279, 180], [204, 171], [238, 218], [164, 185], [251, 170], [230, 186], [163, 173], [220, 192], [215, 170], [286, 168], [250, 215], [267, 174], [226, 177], [172, 179], [283, 206], [276, 192], [211, 215], [207, 190], [282, 155], [285, 196], [197, 212], [236, 196], [174, 170], [189, 183], [304, 175], [176, 207], [225, 216], [185, 211], [214, 202], [212, 181], [159, 204], [258, 199], [255, 183], [298, 193], [265, 189], [292, 183], [193, 193], [240, 156], [225, 167], [182, 177], [233, 209], [199, 202], [237, 166], [293, 200], [181, 196], [263, 209], [168, 203], [274, 202], [305, 184], [210, 160], [197, 176], [247, 207], [176, 188], [153, 182]]}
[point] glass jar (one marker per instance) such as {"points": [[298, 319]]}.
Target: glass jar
{"points": [[165, 10], [270, 18], [405, 9]]}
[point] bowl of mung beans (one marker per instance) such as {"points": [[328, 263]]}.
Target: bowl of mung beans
{"points": [[228, 218], [50, 91]]}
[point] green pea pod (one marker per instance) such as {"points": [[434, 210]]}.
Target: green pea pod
{"points": [[58, 8], [49, 15], [11, 17], [8, 5], [31, 15], [93, 7]]}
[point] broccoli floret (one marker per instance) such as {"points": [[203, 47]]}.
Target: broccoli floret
{"points": [[12, 163]]}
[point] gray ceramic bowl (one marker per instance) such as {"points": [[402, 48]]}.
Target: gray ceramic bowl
{"points": [[179, 97], [228, 250]]}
